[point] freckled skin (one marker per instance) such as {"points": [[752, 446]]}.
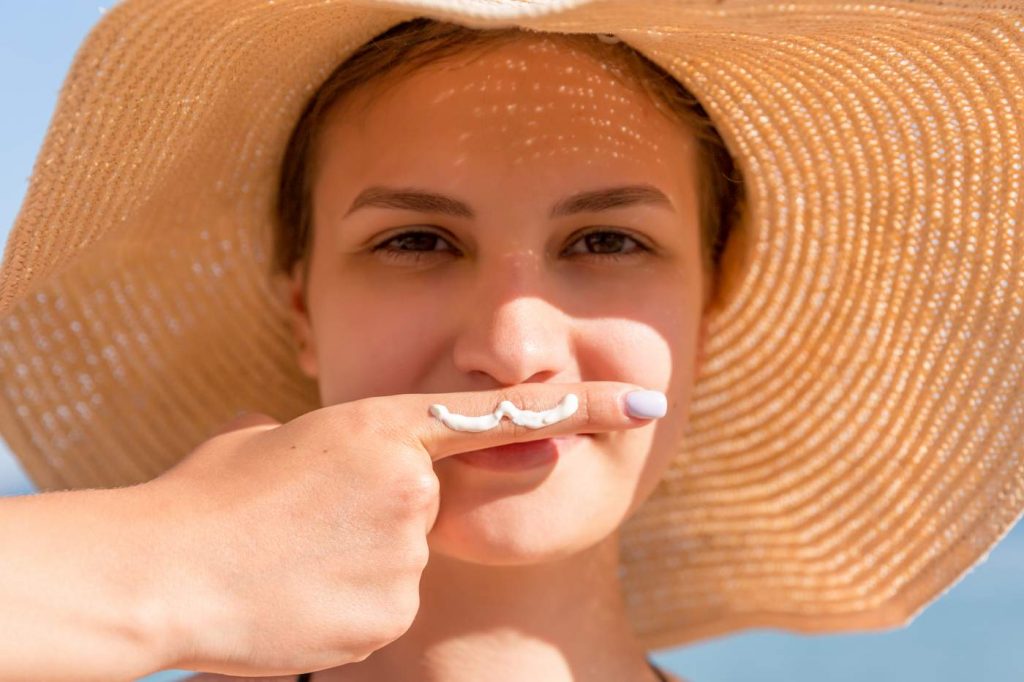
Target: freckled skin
{"points": [[522, 572]]}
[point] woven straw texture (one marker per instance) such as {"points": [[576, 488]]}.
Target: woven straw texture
{"points": [[856, 439]]}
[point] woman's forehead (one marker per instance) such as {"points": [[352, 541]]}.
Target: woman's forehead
{"points": [[531, 105]]}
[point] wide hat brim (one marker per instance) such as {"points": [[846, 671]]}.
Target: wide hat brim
{"points": [[855, 440]]}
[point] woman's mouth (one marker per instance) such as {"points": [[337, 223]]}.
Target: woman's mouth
{"points": [[522, 455]]}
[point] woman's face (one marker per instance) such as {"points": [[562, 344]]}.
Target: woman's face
{"points": [[504, 282]]}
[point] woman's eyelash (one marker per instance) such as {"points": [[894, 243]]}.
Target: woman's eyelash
{"points": [[586, 237]]}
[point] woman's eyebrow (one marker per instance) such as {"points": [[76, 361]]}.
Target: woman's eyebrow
{"points": [[413, 199]]}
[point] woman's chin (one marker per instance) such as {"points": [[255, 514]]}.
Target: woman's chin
{"points": [[513, 535], [535, 514]]}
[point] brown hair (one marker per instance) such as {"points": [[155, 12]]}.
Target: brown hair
{"points": [[422, 41]]}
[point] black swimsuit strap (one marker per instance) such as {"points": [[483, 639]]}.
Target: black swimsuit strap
{"points": [[306, 677]]}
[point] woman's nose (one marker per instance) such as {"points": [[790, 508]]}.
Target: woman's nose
{"points": [[512, 330]]}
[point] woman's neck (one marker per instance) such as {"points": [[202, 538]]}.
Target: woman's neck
{"points": [[557, 621]]}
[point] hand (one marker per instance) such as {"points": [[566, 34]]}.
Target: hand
{"points": [[300, 546]]}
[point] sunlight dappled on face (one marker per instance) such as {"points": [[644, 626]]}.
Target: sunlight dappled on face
{"points": [[461, 242], [603, 110]]}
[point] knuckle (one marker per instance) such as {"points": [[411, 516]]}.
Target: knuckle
{"points": [[397, 629], [585, 412], [516, 431], [391, 616], [418, 555], [356, 643], [417, 490], [361, 649], [402, 611], [421, 557], [408, 604], [519, 399]]}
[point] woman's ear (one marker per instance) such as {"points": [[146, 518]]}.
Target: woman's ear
{"points": [[290, 290]]}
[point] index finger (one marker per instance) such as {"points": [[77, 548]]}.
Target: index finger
{"points": [[445, 424]]}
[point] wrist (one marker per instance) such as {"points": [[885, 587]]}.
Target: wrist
{"points": [[182, 604], [147, 543]]}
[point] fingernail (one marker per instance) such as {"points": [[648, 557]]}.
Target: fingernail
{"points": [[646, 404]]}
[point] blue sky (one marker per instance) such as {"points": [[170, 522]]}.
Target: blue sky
{"points": [[974, 632]]}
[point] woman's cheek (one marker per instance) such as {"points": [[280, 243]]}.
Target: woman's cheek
{"points": [[628, 350], [378, 339]]}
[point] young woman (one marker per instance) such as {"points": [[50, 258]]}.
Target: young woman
{"points": [[500, 260], [430, 212]]}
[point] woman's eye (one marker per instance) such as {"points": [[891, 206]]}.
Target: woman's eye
{"points": [[608, 244], [603, 244], [411, 244]]}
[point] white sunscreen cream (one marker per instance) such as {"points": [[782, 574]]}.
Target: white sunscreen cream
{"points": [[534, 420]]}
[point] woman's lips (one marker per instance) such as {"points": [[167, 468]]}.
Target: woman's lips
{"points": [[522, 455]]}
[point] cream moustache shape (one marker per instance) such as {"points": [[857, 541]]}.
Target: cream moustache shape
{"points": [[534, 420]]}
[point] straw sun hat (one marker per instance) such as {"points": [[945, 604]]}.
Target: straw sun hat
{"points": [[856, 434]]}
